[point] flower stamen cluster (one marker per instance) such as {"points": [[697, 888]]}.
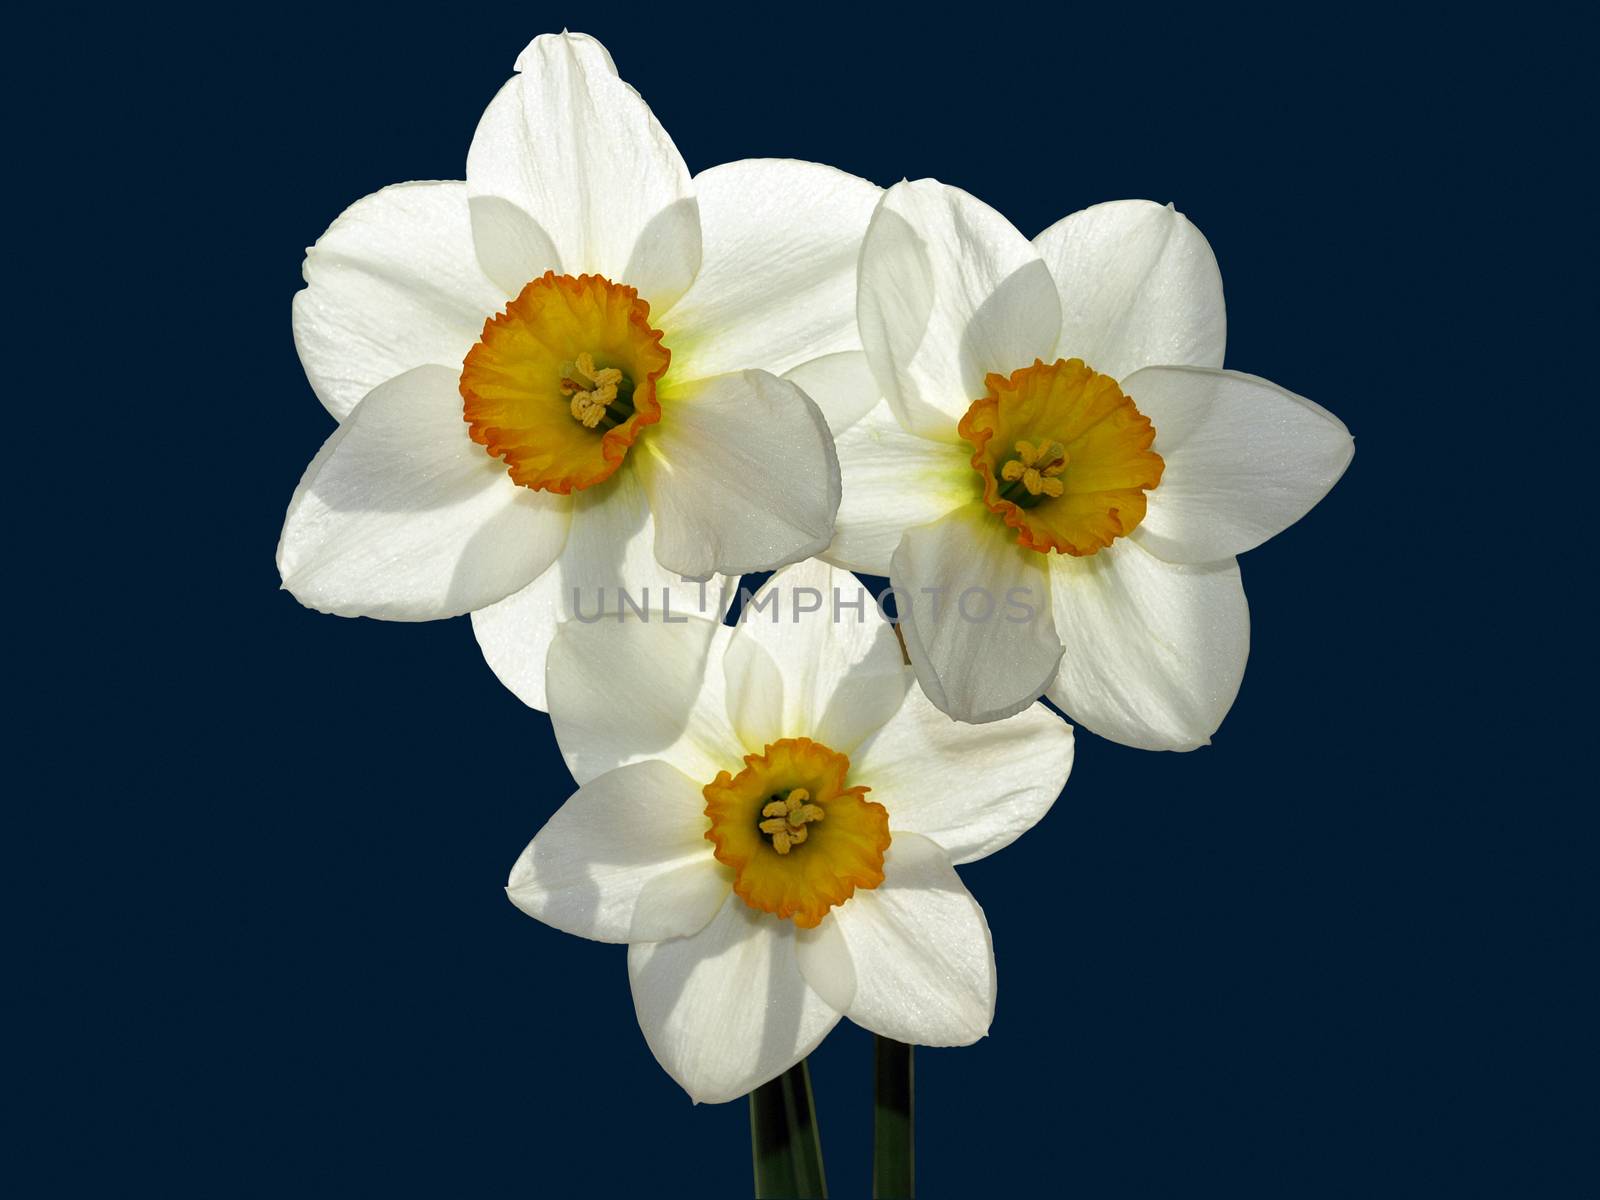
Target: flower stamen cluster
{"points": [[1036, 467], [591, 389], [787, 818]]}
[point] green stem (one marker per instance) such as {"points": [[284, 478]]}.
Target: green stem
{"points": [[893, 1137], [783, 1138]]}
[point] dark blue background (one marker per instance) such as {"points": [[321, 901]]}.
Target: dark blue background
{"points": [[1340, 952]]}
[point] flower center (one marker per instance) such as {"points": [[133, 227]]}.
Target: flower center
{"points": [[591, 389], [563, 381], [786, 819], [1064, 455], [799, 841], [1033, 473]]}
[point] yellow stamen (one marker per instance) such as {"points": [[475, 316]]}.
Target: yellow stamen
{"points": [[786, 823], [591, 390], [1037, 467]]}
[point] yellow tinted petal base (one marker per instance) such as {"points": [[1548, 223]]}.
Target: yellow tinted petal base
{"points": [[798, 840], [564, 380], [1065, 457]]}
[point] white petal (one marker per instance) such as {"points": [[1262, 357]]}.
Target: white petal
{"points": [[949, 291], [596, 58], [1139, 286], [1245, 459], [891, 480], [741, 476], [841, 385], [623, 691], [975, 612], [972, 788], [515, 635], [1154, 650], [754, 694], [777, 282], [512, 249], [393, 284], [835, 672], [608, 568], [924, 962], [625, 859], [825, 961], [727, 1009], [667, 254], [580, 153], [402, 516]]}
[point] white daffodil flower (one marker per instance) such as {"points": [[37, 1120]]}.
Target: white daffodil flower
{"points": [[563, 378], [769, 815], [1060, 473]]}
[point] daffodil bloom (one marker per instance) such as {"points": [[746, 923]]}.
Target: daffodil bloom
{"points": [[1060, 473], [563, 378], [770, 815]]}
